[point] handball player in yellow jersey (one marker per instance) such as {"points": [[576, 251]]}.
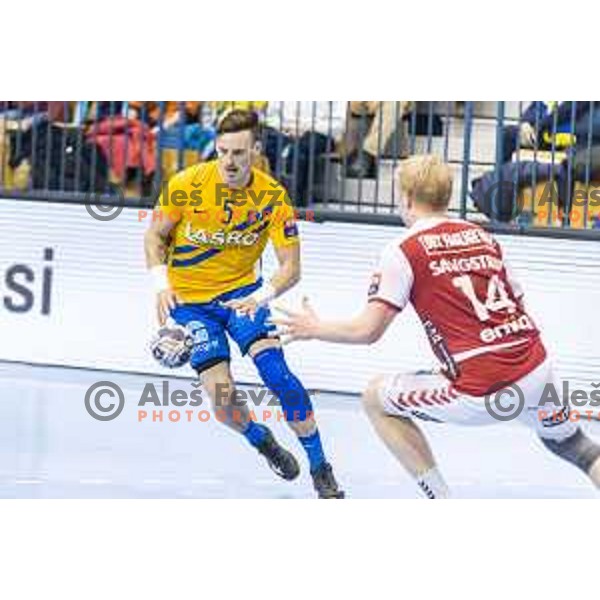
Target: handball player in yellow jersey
{"points": [[204, 253]]}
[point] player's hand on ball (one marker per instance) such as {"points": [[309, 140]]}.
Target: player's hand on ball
{"points": [[166, 301], [172, 346], [246, 307], [296, 325]]}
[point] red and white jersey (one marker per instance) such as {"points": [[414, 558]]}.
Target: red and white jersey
{"points": [[454, 275]]}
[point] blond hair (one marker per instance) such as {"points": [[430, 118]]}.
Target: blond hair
{"points": [[427, 179]]}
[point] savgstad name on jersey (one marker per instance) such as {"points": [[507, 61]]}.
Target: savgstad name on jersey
{"points": [[465, 265]]}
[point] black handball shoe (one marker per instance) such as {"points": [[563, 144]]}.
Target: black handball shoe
{"points": [[325, 484], [280, 460]]}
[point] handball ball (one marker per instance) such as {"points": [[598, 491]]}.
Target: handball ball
{"points": [[172, 346]]}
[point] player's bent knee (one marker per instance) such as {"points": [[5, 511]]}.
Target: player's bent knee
{"points": [[277, 376], [371, 397], [218, 383], [303, 428], [578, 449]]}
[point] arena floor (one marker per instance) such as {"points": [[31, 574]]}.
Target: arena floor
{"points": [[50, 447]]}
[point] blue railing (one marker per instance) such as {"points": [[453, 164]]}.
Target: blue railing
{"points": [[525, 166]]}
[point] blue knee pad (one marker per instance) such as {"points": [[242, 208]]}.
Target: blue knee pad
{"points": [[276, 374]]}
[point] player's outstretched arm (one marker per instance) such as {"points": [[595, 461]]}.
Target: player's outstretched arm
{"points": [[288, 274], [365, 328], [156, 244]]}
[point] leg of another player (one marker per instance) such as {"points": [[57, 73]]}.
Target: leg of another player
{"points": [[220, 387], [297, 407], [595, 473], [406, 442], [579, 450]]}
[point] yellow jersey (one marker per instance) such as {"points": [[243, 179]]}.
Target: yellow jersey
{"points": [[221, 233]]}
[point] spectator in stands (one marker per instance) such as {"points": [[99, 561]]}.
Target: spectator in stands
{"points": [[373, 129], [543, 125], [184, 136], [295, 118], [585, 164], [51, 153], [165, 114], [27, 110], [16, 119], [295, 135], [126, 142], [587, 140]]}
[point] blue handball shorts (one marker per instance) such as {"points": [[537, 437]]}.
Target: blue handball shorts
{"points": [[210, 323]]}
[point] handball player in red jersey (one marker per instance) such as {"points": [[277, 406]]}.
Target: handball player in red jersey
{"points": [[454, 275]]}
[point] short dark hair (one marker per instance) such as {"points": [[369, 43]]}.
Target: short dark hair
{"points": [[237, 120]]}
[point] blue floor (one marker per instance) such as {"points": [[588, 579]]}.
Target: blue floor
{"points": [[50, 447]]}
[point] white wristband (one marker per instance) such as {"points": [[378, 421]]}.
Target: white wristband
{"points": [[160, 279], [264, 294]]}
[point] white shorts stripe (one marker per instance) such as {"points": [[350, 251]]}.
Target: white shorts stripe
{"points": [[432, 397]]}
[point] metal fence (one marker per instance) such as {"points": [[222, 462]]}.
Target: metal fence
{"points": [[527, 166]]}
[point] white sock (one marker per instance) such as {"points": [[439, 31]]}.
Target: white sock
{"points": [[432, 484]]}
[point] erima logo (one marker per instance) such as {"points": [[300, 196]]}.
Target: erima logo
{"points": [[493, 334], [374, 285]]}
